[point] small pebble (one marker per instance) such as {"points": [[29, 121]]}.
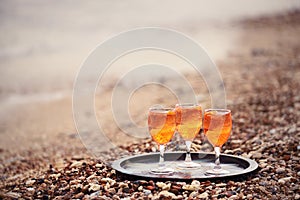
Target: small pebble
{"points": [[292, 130], [150, 187], [221, 185], [112, 190], [30, 182], [256, 155], [79, 195], [122, 185], [255, 179], [284, 180], [94, 187], [95, 194], [13, 195], [263, 165], [56, 176], [195, 182], [76, 164], [271, 159], [193, 194], [160, 184], [105, 180], [280, 170], [126, 190], [272, 131], [167, 194], [98, 165], [233, 197], [203, 195], [191, 187], [30, 189], [140, 188], [146, 192]]}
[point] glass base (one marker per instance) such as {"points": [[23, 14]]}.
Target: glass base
{"points": [[188, 165], [162, 171], [217, 172]]}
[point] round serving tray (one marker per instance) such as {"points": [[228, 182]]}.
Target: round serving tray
{"points": [[138, 166]]}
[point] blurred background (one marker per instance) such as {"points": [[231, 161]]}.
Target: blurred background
{"points": [[44, 43]]}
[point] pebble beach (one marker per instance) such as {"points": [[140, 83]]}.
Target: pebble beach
{"points": [[262, 80]]}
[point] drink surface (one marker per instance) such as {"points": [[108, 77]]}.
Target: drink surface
{"points": [[188, 121], [217, 127], [161, 125]]}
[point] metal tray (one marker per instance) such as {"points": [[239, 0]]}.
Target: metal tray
{"points": [[138, 166]]}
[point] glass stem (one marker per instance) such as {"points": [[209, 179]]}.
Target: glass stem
{"points": [[161, 163], [217, 162], [188, 151]]}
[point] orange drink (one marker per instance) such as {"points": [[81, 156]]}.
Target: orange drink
{"points": [[217, 126], [188, 125], [188, 121], [162, 125]]}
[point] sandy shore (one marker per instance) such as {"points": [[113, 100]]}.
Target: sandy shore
{"points": [[261, 77]]}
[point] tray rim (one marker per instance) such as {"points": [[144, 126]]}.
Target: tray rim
{"points": [[116, 165]]}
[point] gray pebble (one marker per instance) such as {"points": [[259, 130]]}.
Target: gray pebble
{"points": [[280, 170], [146, 192]]}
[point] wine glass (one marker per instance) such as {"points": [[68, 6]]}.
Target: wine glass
{"points": [[162, 125], [217, 125], [188, 124]]}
